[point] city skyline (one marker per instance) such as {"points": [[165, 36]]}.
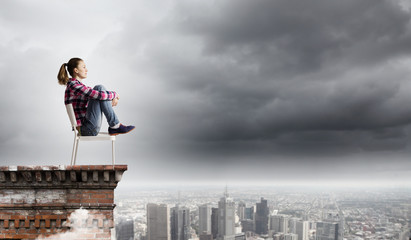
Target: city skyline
{"points": [[311, 215], [237, 92]]}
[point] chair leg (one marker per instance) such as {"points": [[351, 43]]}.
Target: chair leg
{"points": [[113, 152], [74, 151]]}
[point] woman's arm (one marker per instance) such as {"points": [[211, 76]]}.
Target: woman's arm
{"points": [[79, 88]]}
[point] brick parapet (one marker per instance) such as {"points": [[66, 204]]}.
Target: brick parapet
{"points": [[32, 177], [36, 201]]}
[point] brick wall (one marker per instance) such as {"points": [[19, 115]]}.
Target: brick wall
{"points": [[36, 201]]}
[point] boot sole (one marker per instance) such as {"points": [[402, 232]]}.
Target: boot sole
{"points": [[115, 134]]}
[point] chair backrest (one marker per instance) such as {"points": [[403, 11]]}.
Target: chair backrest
{"points": [[70, 112]]}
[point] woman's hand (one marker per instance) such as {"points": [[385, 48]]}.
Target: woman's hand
{"points": [[114, 102]]}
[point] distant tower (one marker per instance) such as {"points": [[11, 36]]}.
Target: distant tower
{"points": [[299, 227], [226, 217], [261, 217], [204, 218], [279, 223], [290, 236], [158, 222], [241, 210], [326, 231], [214, 222], [302, 228], [180, 223], [125, 229], [249, 212]]}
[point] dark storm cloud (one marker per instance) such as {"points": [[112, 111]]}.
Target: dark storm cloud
{"points": [[216, 89], [279, 71]]}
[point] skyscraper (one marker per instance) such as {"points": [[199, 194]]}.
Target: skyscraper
{"points": [[247, 225], [302, 230], [204, 218], [279, 223], [226, 218], [290, 236], [326, 231], [241, 210], [299, 227], [249, 213], [158, 222], [261, 217], [180, 223], [125, 229], [214, 222]]}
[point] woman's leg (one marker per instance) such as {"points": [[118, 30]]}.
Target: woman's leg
{"points": [[95, 109]]}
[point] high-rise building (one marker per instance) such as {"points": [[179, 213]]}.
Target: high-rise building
{"points": [[214, 222], [158, 222], [326, 231], [125, 229], [226, 217], [299, 227], [204, 218], [285, 236], [247, 225], [180, 223], [302, 230], [292, 225], [261, 217], [290, 236], [279, 223], [241, 210], [249, 212]]}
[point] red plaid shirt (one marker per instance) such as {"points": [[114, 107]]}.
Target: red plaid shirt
{"points": [[78, 94]]}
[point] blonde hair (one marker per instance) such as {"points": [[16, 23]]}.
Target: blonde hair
{"points": [[62, 76]]}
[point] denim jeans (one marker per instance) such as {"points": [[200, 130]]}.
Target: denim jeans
{"points": [[96, 108]]}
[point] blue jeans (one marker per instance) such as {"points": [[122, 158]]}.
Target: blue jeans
{"points": [[96, 108]]}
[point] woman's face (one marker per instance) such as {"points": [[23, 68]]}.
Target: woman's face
{"points": [[81, 70]]}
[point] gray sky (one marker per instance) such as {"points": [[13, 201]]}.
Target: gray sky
{"points": [[232, 91]]}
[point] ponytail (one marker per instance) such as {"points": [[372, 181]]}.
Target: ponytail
{"points": [[62, 76]]}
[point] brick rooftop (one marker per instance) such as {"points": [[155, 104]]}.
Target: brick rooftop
{"points": [[36, 201]]}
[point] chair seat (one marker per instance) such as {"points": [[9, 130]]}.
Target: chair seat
{"points": [[100, 137]]}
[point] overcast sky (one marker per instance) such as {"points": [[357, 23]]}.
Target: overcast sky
{"points": [[227, 91]]}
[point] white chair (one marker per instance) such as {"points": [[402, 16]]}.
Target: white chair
{"points": [[77, 138]]}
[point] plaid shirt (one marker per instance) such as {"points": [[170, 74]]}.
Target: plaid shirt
{"points": [[78, 94]]}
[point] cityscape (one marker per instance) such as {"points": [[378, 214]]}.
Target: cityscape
{"points": [[287, 213]]}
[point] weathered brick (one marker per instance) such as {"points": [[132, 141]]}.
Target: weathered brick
{"points": [[105, 200], [44, 209], [73, 176], [38, 176], [98, 196], [27, 223], [13, 176], [27, 176], [2, 177], [106, 176], [48, 177], [89, 201], [84, 176], [95, 176], [48, 223], [37, 223]]}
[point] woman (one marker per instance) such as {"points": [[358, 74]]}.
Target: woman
{"points": [[89, 103]]}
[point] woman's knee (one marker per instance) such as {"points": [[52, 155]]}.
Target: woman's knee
{"points": [[99, 87]]}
